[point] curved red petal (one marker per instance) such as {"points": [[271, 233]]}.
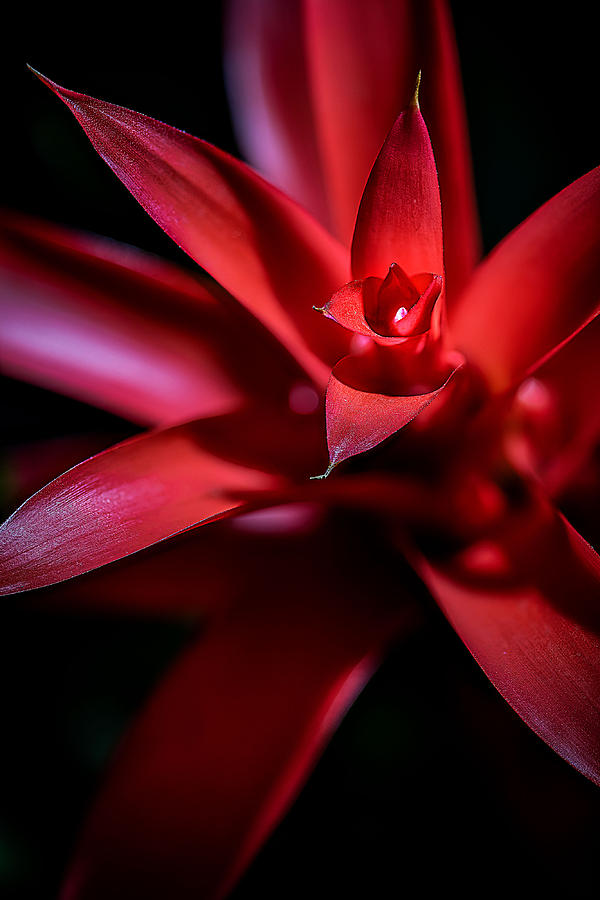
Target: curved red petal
{"points": [[126, 498], [367, 308], [265, 250], [529, 615], [110, 325], [359, 416], [536, 288], [350, 67], [400, 215], [347, 308], [224, 745]]}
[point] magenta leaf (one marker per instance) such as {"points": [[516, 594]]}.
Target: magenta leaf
{"points": [[118, 328]]}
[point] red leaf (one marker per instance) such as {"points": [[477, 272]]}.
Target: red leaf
{"points": [[225, 744], [400, 216], [444, 111], [191, 575], [370, 306], [360, 71], [360, 415], [536, 288], [525, 603], [27, 467], [558, 414], [315, 91], [268, 81], [115, 327], [347, 307], [259, 245], [130, 496]]}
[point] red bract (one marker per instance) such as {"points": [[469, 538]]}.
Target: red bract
{"points": [[334, 330]]}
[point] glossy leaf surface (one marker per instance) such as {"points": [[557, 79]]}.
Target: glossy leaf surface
{"points": [[525, 603], [260, 246], [116, 503], [400, 215], [365, 405], [536, 288]]}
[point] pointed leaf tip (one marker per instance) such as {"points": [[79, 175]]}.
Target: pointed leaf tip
{"points": [[47, 81], [415, 98], [400, 217], [325, 474]]}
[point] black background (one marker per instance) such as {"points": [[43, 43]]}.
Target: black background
{"points": [[432, 783]]}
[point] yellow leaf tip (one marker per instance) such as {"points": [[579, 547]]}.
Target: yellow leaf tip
{"points": [[415, 98], [325, 474]]}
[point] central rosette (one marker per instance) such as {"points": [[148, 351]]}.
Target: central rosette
{"points": [[389, 309], [399, 305], [398, 362]]}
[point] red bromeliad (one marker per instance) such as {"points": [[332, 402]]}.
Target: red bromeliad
{"points": [[379, 329]]}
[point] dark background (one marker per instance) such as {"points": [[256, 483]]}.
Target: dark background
{"points": [[432, 783]]}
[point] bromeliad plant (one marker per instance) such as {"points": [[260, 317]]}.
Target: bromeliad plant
{"points": [[398, 383]]}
